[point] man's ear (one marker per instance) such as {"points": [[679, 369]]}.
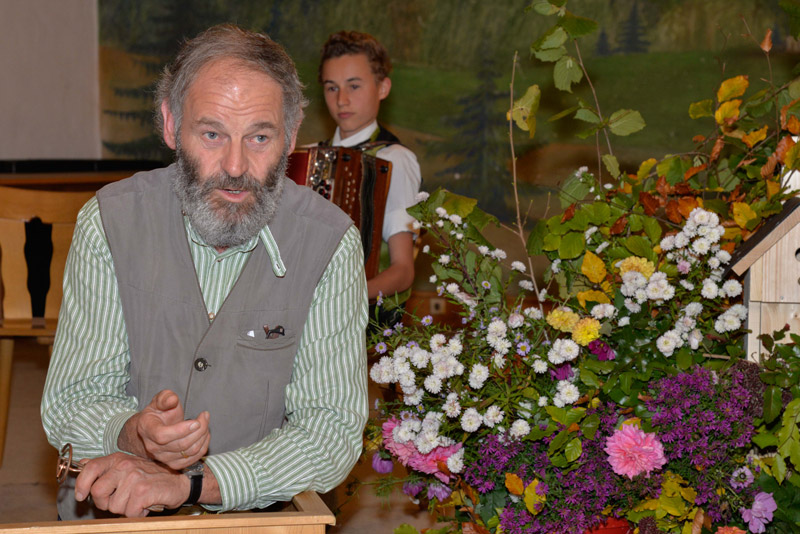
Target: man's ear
{"points": [[293, 140], [169, 125], [384, 86]]}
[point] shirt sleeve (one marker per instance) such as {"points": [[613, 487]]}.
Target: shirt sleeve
{"points": [[326, 400], [84, 401], [403, 189]]}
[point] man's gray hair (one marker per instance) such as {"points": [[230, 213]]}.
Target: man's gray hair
{"points": [[226, 41]]}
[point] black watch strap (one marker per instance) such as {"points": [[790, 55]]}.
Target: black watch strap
{"points": [[195, 474]]}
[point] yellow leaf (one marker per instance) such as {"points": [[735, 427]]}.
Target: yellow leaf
{"points": [[532, 499], [688, 493], [652, 504], [731, 233], [514, 484], [645, 168], [756, 136], [632, 421], [728, 112], [742, 213], [792, 158], [772, 188], [593, 267], [592, 295], [524, 110], [732, 88], [457, 498], [673, 505]]}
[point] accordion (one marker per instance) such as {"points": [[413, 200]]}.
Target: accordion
{"points": [[356, 182]]}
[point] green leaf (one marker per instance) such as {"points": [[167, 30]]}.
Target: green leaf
{"points": [[704, 108], [566, 72], [765, 440], [597, 366], [612, 165], [562, 114], [772, 403], [559, 415], [543, 7], [590, 425], [577, 26], [599, 212], [640, 246], [625, 122], [587, 115], [652, 228], [574, 190], [535, 243], [551, 242], [550, 55], [573, 450], [554, 38], [779, 469], [794, 89], [559, 441], [589, 378], [405, 528], [684, 359], [792, 9], [572, 245]]}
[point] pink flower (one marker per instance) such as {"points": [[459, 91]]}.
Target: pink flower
{"points": [[429, 463], [684, 266], [402, 451], [407, 454], [632, 451]]}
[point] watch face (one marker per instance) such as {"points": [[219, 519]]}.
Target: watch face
{"points": [[194, 469]]}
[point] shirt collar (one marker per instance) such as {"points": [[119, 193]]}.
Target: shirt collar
{"points": [[356, 138], [264, 235]]}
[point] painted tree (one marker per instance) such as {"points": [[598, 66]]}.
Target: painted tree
{"points": [[479, 143], [631, 36]]}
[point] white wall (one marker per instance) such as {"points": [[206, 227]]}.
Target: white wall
{"points": [[49, 91]]}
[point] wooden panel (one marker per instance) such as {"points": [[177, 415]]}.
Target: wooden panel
{"points": [[310, 517], [752, 345], [780, 277], [16, 301]]}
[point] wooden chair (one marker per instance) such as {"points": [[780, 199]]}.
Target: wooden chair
{"points": [[18, 206]]}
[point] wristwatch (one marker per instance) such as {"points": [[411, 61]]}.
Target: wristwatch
{"points": [[195, 474]]}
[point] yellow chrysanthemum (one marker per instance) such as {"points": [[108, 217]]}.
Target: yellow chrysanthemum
{"points": [[634, 263], [586, 331], [563, 319]]}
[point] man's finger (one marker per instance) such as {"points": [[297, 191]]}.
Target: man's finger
{"points": [[165, 400]]}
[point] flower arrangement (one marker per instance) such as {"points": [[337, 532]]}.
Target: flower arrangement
{"points": [[620, 390]]}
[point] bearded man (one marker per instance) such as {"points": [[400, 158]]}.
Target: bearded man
{"points": [[210, 346]]}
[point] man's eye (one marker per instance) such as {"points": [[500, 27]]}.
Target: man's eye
{"points": [[331, 89], [354, 86], [260, 139], [211, 136]]}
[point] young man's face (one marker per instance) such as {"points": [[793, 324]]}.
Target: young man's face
{"points": [[352, 92]]}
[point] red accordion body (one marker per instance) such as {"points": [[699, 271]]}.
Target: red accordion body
{"points": [[356, 182]]}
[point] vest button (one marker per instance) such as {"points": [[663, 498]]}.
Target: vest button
{"points": [[201, 364], [211, 316]]}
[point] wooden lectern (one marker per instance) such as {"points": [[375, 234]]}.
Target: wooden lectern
{"points": [[307, 515]]}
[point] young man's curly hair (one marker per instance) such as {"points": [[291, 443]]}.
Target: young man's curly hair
{"points": [[351, 42]]}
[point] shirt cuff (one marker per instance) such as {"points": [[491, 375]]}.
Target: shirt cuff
{"points": [[113, 430], [237, 482]]}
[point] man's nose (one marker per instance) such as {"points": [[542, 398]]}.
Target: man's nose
{"points": [[235, 162], [342, 98]]}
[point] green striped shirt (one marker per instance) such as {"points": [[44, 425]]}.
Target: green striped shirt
{"points": [[85, 402]]}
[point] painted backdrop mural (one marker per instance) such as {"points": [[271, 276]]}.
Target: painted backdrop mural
{"points": [[453, 66]]}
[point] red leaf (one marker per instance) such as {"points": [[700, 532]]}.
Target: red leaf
{"points": [[674, 212], [649, 202], [718, 145], [694, 170], [663, 188], [766, 44], [618, 226], [569, 213]]}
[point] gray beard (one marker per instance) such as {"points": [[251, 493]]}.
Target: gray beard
{"points": [[223, 224]]}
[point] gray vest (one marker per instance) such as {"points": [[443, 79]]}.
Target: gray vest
{"points": [[174, 344], [214, 365]]}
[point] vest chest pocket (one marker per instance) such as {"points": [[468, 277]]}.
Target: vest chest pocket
{"points": [[259, 341]]}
